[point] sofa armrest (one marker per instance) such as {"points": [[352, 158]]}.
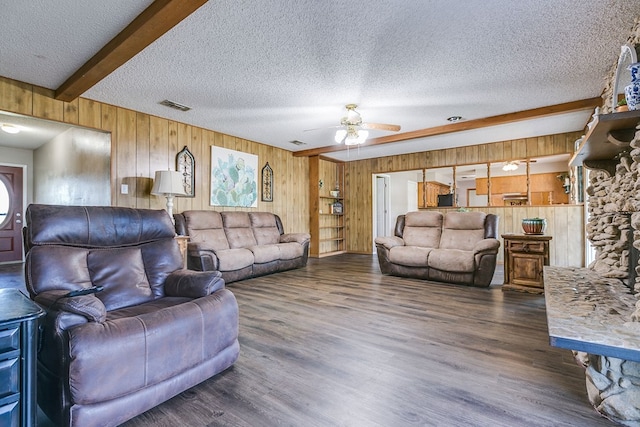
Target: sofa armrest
{"points": [[88, 306], [487, 245], [301, 238], [201, 258], [193, 284], [389, 241]]}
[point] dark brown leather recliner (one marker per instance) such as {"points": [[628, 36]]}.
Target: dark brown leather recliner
{"points": [[154, 330]]}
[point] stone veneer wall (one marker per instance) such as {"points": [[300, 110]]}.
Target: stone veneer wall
{"points": [[613, 385]]}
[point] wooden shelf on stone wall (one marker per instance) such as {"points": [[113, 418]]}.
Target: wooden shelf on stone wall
{"points": [[609, 136]]}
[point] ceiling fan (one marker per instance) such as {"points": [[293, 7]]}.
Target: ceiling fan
{"points": [[354, 131]]}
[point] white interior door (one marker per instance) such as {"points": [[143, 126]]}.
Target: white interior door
{"points": [[382, 206]]}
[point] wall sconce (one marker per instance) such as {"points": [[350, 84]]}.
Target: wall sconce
{"points": [[169, 184]]}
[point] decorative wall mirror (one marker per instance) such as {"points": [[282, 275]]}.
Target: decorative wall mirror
{"points": [[628, 56], [468, 193], [66, 164], [437, 188]]}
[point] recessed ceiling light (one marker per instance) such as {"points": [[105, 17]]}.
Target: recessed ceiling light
{"points": [[9, 128], [454, 118]]}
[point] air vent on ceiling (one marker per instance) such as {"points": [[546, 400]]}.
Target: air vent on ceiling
{"points": [[175, 105], [296, 142]]}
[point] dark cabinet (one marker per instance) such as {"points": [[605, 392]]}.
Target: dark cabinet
{"points": [[18, 345], [525, 256]]}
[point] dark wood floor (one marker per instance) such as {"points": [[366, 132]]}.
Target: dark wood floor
{"points": [[339, 344]]}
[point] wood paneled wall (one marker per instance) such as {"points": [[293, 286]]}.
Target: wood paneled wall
{"points": [[565, 223], [359, 186], [142, 144]]}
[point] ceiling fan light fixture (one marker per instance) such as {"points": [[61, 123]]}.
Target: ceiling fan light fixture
{"points": [[510, 166], [340, 135], [355, 137]]}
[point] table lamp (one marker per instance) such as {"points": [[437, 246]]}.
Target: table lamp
{"points": [[169, 184]]}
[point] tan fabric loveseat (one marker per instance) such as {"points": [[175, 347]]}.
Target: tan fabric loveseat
{"points": [[240, 245], [459, 247]]}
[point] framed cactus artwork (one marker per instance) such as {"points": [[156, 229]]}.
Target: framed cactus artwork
{"points": [[234, 178]]}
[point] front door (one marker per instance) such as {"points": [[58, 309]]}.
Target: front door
{"points": [[11, 220]]}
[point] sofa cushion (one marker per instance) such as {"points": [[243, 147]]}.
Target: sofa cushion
{"points": [[122, 274], [422, 229], [205, 227], [453, 260], [265, 253], [234, 259], [95, 226], [290, 250], [146, 344], [237, 227], [462, 230], [129, 275], [265, 229], [411, 256]]}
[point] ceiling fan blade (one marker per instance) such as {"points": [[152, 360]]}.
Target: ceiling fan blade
{"points": [[327, 127], [381, 126]]}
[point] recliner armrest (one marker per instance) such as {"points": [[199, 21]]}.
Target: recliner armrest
{"points": [[487, 245], [389, 241], [201, 258], [193, 284], [88, 306], [301, 238]]}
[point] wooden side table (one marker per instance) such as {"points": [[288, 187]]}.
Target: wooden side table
{"points": [[18, 346], [182, 243], [525, 256]]}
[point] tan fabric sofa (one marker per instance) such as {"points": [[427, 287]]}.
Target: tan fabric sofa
{"points": [[240, 245], [459, 247]]}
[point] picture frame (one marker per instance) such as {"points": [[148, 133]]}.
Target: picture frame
{"points": [[234, 178], [186, 165], [267, 183]]}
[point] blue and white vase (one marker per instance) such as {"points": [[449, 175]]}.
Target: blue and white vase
{"points": [[632, 95], [635, 72]]}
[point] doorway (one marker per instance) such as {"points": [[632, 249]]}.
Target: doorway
{"points": [[382, 202], [11, 208]]}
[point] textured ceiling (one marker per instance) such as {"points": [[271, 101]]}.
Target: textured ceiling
{"points": [[268, 70]]}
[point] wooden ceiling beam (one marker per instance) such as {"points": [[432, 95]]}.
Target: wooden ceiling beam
{"points": [[567, 107], [153, 22]]}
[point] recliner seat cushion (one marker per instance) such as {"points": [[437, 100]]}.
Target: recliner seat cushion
{"points": [[234, 259], [121, 273], [265, 229], [132, 351], [422, 229], [462, 230], [411, 256], [129, 275], [237, 227], [453, 260], [205, 227], [290, 250], [265, 253]]}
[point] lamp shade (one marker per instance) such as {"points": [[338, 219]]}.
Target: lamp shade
{"points": [[168, 183]]}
